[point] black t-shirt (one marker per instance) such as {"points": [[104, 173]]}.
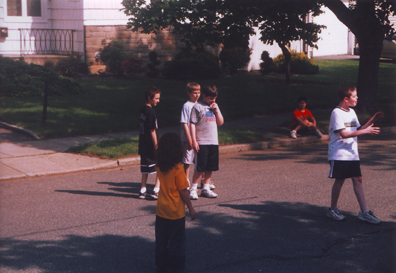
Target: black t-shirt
{"points": [[147, 123]]}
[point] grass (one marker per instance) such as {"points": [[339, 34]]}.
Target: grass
{"points": [[112, 105], [119, 148]]}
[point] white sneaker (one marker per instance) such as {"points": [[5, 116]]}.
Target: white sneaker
{"points": [[208, 194], [293, 134], [335, 214], [211, 184], [369, 217], [193, 194]]}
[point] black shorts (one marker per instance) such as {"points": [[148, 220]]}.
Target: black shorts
{"points": [[147, 164], [344, 169], [207, 159]]}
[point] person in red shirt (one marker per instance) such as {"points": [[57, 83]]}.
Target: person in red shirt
{"points": [[303, 121]]}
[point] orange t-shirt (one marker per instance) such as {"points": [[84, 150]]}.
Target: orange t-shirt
{"points": [[169, 203]]}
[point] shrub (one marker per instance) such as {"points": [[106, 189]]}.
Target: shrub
{"points": [[192, 64], [266, 65], [234, 58], [300, 64], [72, 66], [153, 72], [133, 66], [19, 79], [112, 56]]}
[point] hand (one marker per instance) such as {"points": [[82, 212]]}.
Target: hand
{"points": [[373, 130], [193, 214], [214, 107]]}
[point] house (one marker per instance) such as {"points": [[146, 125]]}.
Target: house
{"points": [[47, 30]]}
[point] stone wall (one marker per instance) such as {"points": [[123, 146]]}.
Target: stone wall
{"points": [[135, 43]]}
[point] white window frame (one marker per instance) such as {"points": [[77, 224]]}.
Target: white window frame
{"points": [[24, 18]]}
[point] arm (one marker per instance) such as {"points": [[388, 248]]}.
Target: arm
{"points": [[187, 132], [365, 129], [154, 137], [185, 196], [219, 116], [194, 141]]}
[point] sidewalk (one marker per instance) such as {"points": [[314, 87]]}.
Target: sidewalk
{"points": [[21, 156]]}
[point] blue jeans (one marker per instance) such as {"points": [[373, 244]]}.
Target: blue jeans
{"points": [[170, 244]]}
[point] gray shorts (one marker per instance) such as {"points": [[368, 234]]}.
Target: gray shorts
{"points": [[188, 154]]}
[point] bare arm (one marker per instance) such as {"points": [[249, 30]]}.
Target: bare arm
{"points": [[185, 196], [194, 141], [365, 129], [373, 119], [217, 112], [187, 133], [154, 137]]}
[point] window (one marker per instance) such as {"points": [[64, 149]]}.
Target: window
{"points": [[30, 8], [14, 8]]}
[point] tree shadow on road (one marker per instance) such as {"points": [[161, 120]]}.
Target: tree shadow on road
{"points": [[226, 237]]}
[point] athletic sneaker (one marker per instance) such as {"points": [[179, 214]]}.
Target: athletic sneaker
{"points": [[318, 134], [193, 194], [293, 134], [211, 184], [208, 194], [152, 196], [142, 195], [335, 214], [369, 217]]}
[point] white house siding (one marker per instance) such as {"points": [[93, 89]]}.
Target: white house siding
{"points": [[10, 46], [335, 39]]}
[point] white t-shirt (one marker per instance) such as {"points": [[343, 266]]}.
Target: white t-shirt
{"points": [[185, 117], [345, 149], [206, 125]]}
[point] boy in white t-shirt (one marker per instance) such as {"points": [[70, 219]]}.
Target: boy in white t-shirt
{"points": [[343, 152], [194, 92]]}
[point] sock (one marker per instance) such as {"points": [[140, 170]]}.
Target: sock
{"points": [[206, 187], [156, 190], [194, 187], [143, 190]]}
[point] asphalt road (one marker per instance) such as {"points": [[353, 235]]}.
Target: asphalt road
{"points": [[269, 217]]}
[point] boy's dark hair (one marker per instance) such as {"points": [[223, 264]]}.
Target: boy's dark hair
{"points": [[345, 91], [150, 92], [170, 152], [192, 86], [302, 98], [210, 90]]}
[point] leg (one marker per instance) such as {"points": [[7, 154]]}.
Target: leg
{"points": [[157, 183], [207, 176], [144, 180], [161, 244], [177, 245], [359, 192], [335, 192]]}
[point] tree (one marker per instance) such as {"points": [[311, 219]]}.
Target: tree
{"points": [[228, 22], [369, 22]]}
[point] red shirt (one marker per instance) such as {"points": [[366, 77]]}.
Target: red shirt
{"points": [[303, 115]]}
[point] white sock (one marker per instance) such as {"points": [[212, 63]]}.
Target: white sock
{"points": [[156, 190], [206, 187], [143, 190], [194, 187]]}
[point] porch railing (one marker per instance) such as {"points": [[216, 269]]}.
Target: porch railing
{"points": [[46, 41]]}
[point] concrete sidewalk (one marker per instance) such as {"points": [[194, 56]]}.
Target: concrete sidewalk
{"points": [[21, 157]]}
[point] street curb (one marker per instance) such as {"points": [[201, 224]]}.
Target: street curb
{"points": [[19, 130]]}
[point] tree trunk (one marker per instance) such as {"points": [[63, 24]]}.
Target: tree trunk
{"points": [[287, 55]]}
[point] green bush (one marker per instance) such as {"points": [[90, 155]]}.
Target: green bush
{"points": [[71, 66], [192, 65], [112, 56], [267, 65], [133, 66], [234, 58], [300, 64], [19, 79]]}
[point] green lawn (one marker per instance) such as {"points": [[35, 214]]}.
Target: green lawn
{"points": [[113, 105]]}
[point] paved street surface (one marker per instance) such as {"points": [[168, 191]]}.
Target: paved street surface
{"points": [[269, 217]]}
